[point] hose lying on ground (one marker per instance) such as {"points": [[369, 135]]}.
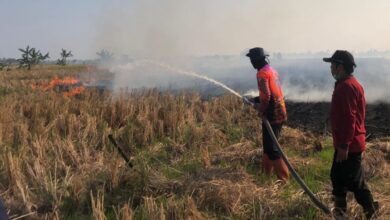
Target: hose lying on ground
{"points": [[120, 150], [313, 198]]}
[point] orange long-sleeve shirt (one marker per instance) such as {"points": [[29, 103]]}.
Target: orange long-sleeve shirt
{"points": [[272, 103]]}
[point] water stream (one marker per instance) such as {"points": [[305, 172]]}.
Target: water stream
{"points": [[189, 73]]}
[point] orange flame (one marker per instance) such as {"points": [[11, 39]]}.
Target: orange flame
{"points": [[75, 91], [68, 86]]}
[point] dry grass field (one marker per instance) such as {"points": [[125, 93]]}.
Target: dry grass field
{"points": [[193, 158]]}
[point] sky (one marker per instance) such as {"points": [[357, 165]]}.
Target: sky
{"points": [[158, 28]]}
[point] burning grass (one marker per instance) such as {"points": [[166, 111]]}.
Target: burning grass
{"points": [[193, 158]]}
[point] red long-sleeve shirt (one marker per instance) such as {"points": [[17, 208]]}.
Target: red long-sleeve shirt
{"points": [[272, 103], [348, 111]]}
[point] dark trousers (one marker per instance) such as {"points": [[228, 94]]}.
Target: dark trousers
{"points": [[269, 147], [348, 176]]}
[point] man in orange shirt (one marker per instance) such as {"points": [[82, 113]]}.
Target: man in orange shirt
{"points": [[272, 107]]}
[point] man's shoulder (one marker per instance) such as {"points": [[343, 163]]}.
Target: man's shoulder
{"points": [[352, 79], [352, 82], [349, 85], [267, 70]]}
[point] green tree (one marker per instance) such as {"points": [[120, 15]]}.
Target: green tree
{"points": [[30, 57], [64, 55]]}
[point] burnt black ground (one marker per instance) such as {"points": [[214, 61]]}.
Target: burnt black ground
{"points": [[312, 116]]}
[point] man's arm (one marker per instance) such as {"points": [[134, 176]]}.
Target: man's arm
{"points": [[347, 107], [265, 94]]}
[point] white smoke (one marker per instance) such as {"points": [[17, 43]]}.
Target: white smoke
{"points": [[307, 80], [181, 32]]}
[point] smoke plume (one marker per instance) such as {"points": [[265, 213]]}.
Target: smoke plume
{"points": [[182, 33]]}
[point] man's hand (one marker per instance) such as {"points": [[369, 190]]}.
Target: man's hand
{"points": [[342, 154], [259, 113]]}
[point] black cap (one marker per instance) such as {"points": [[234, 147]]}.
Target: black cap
{"points": [[257, 53], [341, 57]]}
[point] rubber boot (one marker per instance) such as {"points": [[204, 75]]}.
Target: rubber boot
{"points": [[340, 208], [267, 165], [370, 207], [281, 170], [370, 212]]}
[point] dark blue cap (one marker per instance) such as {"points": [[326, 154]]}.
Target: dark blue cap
{"points": [[257, 53], [341, 57]]}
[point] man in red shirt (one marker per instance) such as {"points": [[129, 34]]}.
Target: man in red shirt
{"points": [[348, 109], [272, 107]]}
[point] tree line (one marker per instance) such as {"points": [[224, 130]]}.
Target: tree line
{"points": [[31, 56]]}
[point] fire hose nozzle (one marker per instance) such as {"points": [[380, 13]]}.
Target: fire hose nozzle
{"points": [[247, 101], [252, 101]]}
